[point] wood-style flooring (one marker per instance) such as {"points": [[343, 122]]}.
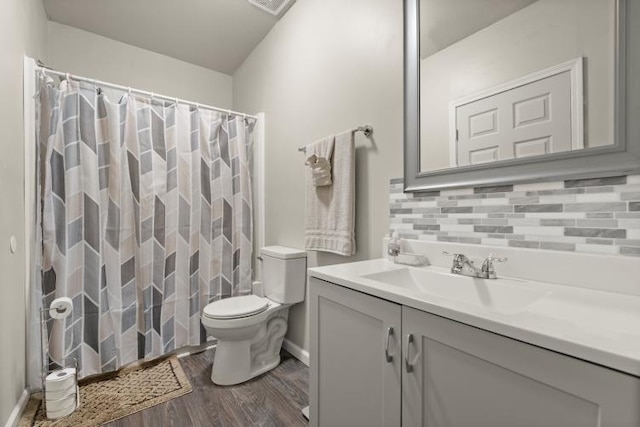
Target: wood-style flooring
{"points": [[272, 399]]}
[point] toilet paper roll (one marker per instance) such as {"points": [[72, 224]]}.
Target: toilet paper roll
{"points": [[60, 379], [61, 393], [62, 404], [60, 308], [53, 414]]}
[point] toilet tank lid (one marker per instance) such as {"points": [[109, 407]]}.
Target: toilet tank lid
{"points": [[282, 252]]}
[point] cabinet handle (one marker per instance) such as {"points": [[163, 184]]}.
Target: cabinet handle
{"points": [[388, 356], [407, 364]]}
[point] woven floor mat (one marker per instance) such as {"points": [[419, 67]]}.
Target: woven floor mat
{"points": [[113, 396]]}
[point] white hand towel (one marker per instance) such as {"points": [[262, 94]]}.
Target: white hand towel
{"points": [[320, 170], [330, 210], [319, 160]]}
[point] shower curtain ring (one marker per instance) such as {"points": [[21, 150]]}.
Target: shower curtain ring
{"points": [[129, 90], [66, 77]]}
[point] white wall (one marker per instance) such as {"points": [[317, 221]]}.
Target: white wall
{"points": [[544, 34], [22, 31], [87, 54], [327, 66]]}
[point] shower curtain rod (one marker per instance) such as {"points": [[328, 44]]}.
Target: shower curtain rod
{"points": [[153, 95]]}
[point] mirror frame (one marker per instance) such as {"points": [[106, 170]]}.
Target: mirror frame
{"points": [[621, 158]]}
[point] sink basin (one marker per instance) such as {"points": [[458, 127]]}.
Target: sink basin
{"points": [[500, 295]]}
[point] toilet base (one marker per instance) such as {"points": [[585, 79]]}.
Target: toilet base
{"points": [[235, 362]]}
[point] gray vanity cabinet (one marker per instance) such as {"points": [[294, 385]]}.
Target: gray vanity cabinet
{"points": [[443, 373], [466, 377], [352, 381]]}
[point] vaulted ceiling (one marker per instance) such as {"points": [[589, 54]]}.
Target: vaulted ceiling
{"points": [[216, 34], [220, 34]]}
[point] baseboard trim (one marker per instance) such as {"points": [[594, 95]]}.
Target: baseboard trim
{"points": [[297, 352], [14, 416]]}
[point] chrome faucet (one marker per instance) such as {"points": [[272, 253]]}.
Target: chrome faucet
{"points": [[464, 266]]}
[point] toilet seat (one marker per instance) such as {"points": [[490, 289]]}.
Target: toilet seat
{"points": [[236, 307]]}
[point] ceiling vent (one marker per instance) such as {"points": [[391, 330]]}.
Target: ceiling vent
{"points": [[274, 7]]}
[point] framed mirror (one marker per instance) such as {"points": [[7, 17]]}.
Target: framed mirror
{"points": [[508, 91]]}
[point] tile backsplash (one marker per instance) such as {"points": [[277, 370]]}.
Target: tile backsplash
{"points": [[588, 215]]}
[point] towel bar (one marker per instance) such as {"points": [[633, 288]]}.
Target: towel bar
{"points": [[366, 129]]}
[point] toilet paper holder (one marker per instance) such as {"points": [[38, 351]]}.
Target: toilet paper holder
{"points": [[49, 365]]}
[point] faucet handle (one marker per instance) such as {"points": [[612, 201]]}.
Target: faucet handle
{"points": [[457, 258], [487, 266], [491, 258], [458, 261]]}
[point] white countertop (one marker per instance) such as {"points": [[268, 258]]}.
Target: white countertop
{"points": [[593, 325]]}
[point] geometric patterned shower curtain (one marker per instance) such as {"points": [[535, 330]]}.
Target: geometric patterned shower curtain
{"points": [[146, 217]]}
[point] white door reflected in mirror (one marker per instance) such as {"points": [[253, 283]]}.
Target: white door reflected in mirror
{"points": [[503, 80]]}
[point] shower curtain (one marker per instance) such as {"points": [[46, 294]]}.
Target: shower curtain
{"points": [[146, 217]]}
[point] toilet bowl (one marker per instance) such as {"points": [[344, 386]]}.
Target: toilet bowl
{"points": [[250, 329]]}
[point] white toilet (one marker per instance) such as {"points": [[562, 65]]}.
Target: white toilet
{"points": [[250, 329]]}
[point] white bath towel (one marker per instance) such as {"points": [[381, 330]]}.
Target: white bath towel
{"points": [[330, 210], [319, 160]]}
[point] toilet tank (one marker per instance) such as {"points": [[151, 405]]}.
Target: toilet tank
{"points": [[284, 274]]}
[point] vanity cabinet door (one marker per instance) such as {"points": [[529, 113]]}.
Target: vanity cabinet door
{"points": [[352, 382], [462, 376]]}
